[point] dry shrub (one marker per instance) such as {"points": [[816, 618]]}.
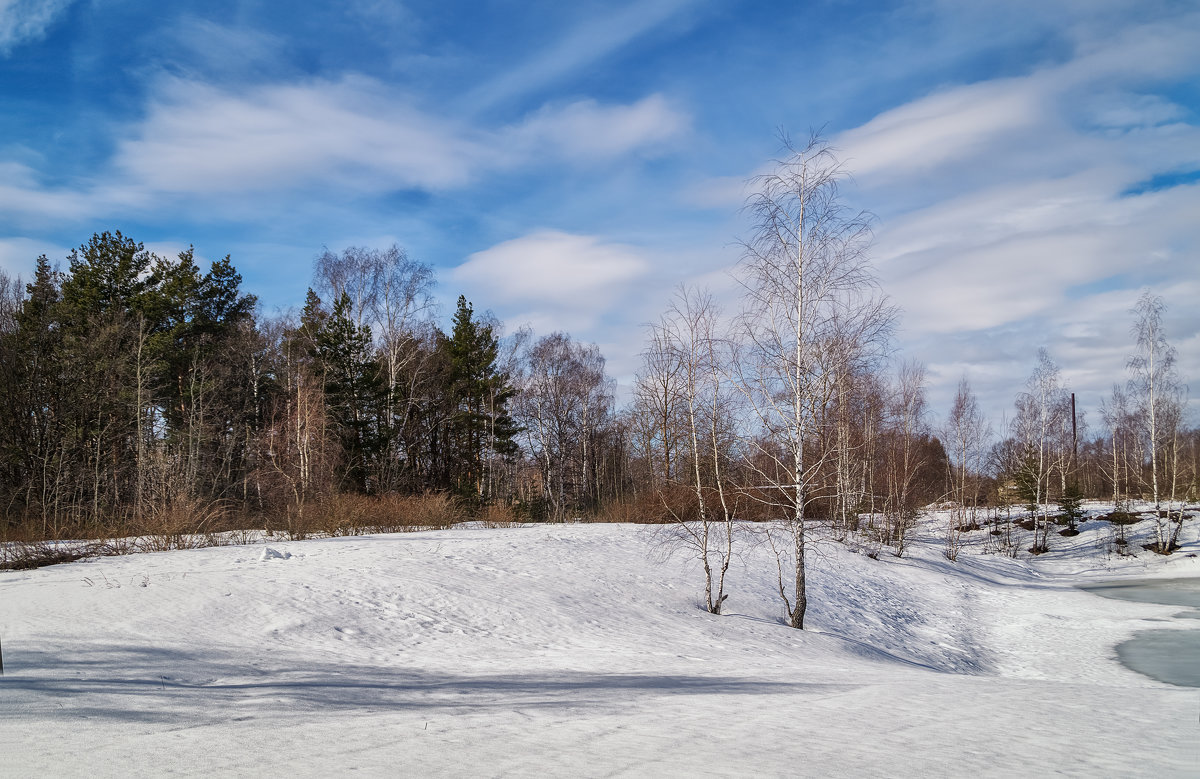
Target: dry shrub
{"points": [[624, 510], [349, 514], [32, 527], [499, 515], [433, 511], [665, 505], [23, 555], [393, 513], [340, 515], [182, 523]]}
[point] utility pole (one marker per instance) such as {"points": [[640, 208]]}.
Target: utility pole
{"points": [[1074, 432]]}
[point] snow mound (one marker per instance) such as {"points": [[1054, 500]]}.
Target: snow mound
{"points": [[577, 650]]}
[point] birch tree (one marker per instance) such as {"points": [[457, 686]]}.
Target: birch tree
{"points": [[563, 398], [808, 288], [686, 335], [905, 453], [1157, 395], [1041, 410], [967, 433]]}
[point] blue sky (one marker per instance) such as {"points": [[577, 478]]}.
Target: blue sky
{"points": [[1032, 164]]}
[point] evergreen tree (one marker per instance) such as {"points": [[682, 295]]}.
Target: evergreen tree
{"points": [[31, 390], [1026, 479], [479, 428], [1071, 504], [353, 389], [107, 276]]}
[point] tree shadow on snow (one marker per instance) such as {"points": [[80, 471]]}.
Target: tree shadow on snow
{"points": [[166, 684]]}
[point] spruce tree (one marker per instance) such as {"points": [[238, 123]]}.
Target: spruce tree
{"points": [[480, 427], [1071, 505], [353, 388]]}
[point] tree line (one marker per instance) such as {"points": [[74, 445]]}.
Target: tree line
{"points": [[137, 389], [134, 387]]}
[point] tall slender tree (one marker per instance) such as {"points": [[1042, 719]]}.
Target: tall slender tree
{"points": [[810, 291], [480, 427], [1157, 394]]}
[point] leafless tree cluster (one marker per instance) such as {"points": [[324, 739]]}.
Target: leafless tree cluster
{"points": [[1146, 452], [687, 406], [792, 413], [966, 433], [782, 412], [564, 405], [1151, 453]]}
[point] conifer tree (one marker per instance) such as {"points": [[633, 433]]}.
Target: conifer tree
{"points": [[352, 387], [480, 427]]}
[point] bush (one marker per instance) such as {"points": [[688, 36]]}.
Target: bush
{"points": [[1122, 518], [431, 511], [498, 515], [21, 556], [182, 523], [394, 513]]}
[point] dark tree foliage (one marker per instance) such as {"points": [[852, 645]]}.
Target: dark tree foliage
{"points": [[127, 385], [1026, 478], [479, 427], [352, 390], [1071, 505]]}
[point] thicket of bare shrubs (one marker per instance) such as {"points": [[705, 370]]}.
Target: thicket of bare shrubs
{"points": [[190, 524]]}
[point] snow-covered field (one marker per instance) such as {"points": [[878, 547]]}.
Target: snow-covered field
{"points": [[581, 650]]}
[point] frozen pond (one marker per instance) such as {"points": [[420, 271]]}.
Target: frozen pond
{"points": [[1171, 656]]}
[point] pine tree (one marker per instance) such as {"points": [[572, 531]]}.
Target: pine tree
{"points": [[480, 427], [353, 388], [1071, 504], [1026, 479]]}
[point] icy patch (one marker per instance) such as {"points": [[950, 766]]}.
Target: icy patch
{"points": [[273, 554]]}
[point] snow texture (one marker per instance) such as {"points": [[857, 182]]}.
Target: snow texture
{"points": [[582, 650]]}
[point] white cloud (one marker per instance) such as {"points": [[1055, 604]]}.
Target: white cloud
{"points": [[26, 20], [350, 133], [353, 135], [597, 289], [192, 44], [1124, 111], [17, 255], [1008, 223], [1019, 123], [554, 270], [943, 128], [589, 131], [987, 279], [21, 192], [590, 41]]}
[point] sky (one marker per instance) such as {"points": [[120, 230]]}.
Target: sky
{"points": [[1032, 165]]}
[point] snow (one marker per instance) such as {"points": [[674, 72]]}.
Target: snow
{"points": [[582, 650]]}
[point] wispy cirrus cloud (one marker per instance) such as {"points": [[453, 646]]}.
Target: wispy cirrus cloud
{"points": [[588, 131], [591, 40], [1056, 118], [1025, 203], [352, 134], [27, 20], [1031, 208], [943, 128]]}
